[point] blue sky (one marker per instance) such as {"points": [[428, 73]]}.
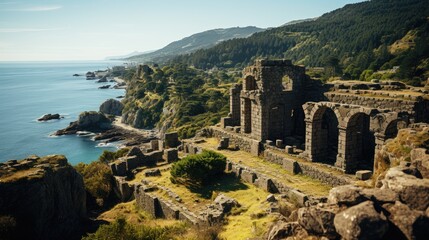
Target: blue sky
{"points": [[93, 29]]}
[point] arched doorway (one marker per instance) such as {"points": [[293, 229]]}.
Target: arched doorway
{"points": [[360, 143], [325, 136]]}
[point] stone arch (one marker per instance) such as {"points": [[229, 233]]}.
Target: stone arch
{"points": [[249, 83], [324, 137], [359, 143], [276, 125]]}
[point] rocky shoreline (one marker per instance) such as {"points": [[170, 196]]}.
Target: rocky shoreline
{"points": [[106, 130]]}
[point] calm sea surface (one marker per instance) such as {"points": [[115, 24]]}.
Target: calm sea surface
{"points": [[29, 90]]}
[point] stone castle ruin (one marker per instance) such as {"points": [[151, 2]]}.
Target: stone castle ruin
{"points": [[342, 124]]}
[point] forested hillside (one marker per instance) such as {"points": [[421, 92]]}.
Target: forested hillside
{"points": [[353, 42], [177, 97]]}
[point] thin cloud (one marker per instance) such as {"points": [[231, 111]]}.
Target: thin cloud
{"points": [[33, 9], [21, 30]]}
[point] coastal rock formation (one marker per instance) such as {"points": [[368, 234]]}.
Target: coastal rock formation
{"points": [[45, 196], [104, 87], [87, 121], [49, 116], [112, 107]]}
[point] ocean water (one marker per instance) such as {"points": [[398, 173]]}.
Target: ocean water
{"points": [[29, 90]]}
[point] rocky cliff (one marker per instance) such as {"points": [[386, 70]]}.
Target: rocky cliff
{"points": [[43, 198], [112, 107]]}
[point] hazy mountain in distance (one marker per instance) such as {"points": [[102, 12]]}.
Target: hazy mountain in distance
{"points": [[127, 55], [299, 21], [195, 42]]}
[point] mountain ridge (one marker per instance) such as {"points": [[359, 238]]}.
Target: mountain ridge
{"points": [[194, 42]]}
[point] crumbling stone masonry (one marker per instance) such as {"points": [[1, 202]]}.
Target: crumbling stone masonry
{"points": [[342, 124]]}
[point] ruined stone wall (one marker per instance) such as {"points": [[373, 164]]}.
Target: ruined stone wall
{"points": [[310, 170], [242, 142], [266, 183], [234, 104], [161, 208], [373, 102]]}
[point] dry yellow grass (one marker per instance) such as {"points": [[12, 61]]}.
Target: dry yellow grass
{"points": [[239, 226], [135, 216], [301, 182]]}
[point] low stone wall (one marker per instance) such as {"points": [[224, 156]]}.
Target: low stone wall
{"points": [[161, 208], [310, 170], [244, 143], [266, 183], [122, 189]]}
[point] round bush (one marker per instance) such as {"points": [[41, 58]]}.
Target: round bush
{"points": [[199, 168]]}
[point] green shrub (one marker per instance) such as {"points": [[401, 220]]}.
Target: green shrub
{"points": [[97, 178], [108, 156], [199, 168]]}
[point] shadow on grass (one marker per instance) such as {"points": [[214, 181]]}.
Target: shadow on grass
{"points": [[226, 182]]}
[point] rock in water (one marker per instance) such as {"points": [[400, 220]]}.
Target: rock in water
{"points": [[88, 121], [48, 117], [112, 107], [104, 87], [45, 196]]}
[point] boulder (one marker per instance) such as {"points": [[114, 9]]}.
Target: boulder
{"points": [[49, 116], [420, 160], [412, 191], [226, 203], [361, 222], [363, 175], [348, 195], [112, 107], [380, 196], [282, 230], [318, 220], [411, 223], [87, 121]]}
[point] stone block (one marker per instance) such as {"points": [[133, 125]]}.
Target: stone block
{"points": [[363, 174], [170, 155], [269, 142], [298, 197], [279, 143], [154, 144], [229, 128], [228, 166], [255, 148], [248, 176], [291, 166], [289, 149], [237, 170], [226, 121], [171, 140], [121, 168]]}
